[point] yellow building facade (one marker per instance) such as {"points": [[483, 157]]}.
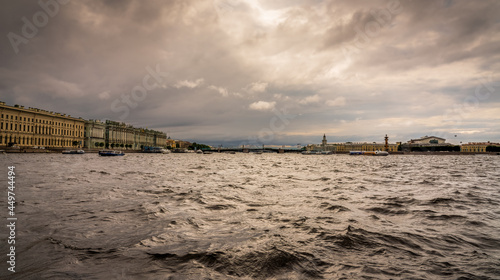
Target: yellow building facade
{"points": [[476, 147], [349, 146], [171, 143], [35, 127]]}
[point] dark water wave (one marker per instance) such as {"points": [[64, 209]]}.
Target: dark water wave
{"points": [[220, 216]]}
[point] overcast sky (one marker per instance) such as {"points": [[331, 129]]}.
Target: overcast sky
{"points": [[253, 72]]}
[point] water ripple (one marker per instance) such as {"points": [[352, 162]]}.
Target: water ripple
{"points": [[272, 216]]}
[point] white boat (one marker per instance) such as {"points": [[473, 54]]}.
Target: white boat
{"points": [[380, 153]]}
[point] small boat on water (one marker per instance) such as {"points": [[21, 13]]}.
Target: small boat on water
{"points": [[376, 153], [369, 153], [109, 153], [155, 150], [73, 152]]}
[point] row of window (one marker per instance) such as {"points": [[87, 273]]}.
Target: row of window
{"points": [[94, 134], [43, 141], [35, 141], [477, 150], [38, 129], [12, 117]]}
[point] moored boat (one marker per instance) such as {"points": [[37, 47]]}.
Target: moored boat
{"points": [[111, 153], [73, 152], [369, 153], [155, 150], [376, 153]]}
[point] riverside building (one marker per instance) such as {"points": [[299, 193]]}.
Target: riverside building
{"points": [[428, 140], [94, 134], [123, 135], [29, 127], [366, 147], [351, 146], [37, 128], [477, 147]]}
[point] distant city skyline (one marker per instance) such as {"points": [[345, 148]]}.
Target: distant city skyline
{"points": [[261, 72]]}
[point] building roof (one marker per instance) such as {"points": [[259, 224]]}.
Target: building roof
{"points": [[427, 137], [39, 112], [481, 143]]}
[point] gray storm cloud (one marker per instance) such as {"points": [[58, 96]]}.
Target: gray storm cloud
{"points": [[354, 70]]}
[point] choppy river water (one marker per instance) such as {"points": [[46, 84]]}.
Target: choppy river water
{"points": [[248, 216]]}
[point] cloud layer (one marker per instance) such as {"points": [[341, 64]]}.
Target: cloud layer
{"points": [[223, 71]]}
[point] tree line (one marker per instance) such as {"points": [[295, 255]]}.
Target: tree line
{"points": [[196, 146]]}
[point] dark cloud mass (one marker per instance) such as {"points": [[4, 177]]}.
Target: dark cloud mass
{"points": [[281, 72]]}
